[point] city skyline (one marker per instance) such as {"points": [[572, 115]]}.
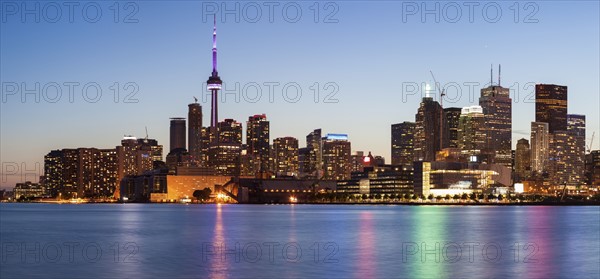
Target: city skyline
{"points": [[369, 130]]}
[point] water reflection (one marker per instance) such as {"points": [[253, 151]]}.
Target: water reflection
{"points": [[366, 246], [429, 228], [218, 265], [538, 254], [370, 240]]}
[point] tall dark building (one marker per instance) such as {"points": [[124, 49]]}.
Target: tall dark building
{"points": [[205, 139], [430, 130], [53, 172], [195, 133], [177, 133], [551, 106], [497, 108], [594, 163], [522, 160], [257, 140], [313, 166], [452, 118], [403, 135]]}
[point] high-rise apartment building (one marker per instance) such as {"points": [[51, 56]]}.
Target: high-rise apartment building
{"points": [[285, 152], [336, 157]]}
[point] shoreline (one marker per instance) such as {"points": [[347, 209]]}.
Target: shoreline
{"points": [[544, 203]]}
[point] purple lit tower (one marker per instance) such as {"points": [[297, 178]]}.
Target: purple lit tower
{"points": [[214, 85]]}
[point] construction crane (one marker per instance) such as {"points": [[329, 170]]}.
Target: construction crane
{"points": [[442, 94], [589, 148]]}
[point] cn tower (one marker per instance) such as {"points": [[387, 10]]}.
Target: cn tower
{"points": [[214, 85]]}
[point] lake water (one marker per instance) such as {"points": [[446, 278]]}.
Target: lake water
{"points": [[298, 241]]}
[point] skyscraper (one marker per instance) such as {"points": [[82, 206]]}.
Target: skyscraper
{"points": [[177, 133], [403, 135], [429, 125], [195, 132], [257, 140], [224, 156], [53, 172], [595, 168], [497, 108], [472, 137], [313, 166], [214, 85], [522, 159], [575, 150], [286, 156], [551, 106], [452, 118], [336, 157], [540, 140]]}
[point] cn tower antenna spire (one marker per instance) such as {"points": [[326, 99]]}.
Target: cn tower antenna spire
{"points": [[214, 48], [214, 84]]}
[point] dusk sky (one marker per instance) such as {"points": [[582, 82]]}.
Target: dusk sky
{"points": [[370, 54]]}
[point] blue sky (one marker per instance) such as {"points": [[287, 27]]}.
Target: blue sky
{"points": [[367, 57]]}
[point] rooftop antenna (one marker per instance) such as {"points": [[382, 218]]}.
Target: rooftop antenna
{"points": [[146, 133], [491, 74], [499, 73]]}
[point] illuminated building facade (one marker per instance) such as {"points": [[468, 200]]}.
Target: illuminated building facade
{"points": [[551, 106], [28, 190], [224, 156], [53, 172], [403, 143], [286, 156], [336, 157], [452, 118], [497, 109], [81, 172], [383, 180], [576, 155], [258, 142], [540, 147], [358, 161], [472, 137], [313, 160], [440, 178]]}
